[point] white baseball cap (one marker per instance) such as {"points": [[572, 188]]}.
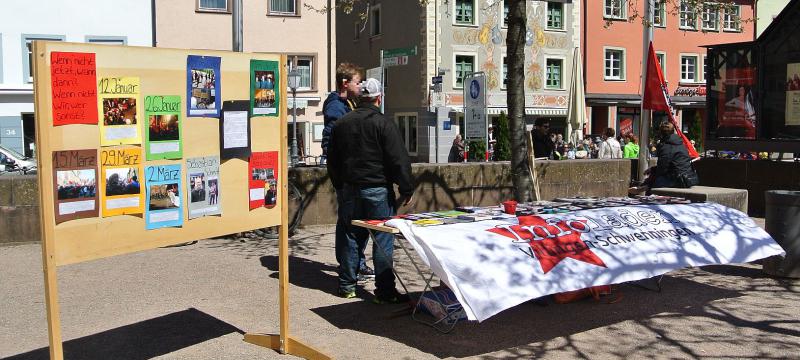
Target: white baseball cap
{"points": [[371, 88]]}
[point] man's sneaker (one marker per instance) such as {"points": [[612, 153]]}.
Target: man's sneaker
{"points": [[366, 272], [347, 294], [394, 297]]}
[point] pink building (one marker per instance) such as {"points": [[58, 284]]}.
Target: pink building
{"points": [[612, 52]]}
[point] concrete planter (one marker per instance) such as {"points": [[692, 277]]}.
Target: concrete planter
{"points": [[783, 223]]}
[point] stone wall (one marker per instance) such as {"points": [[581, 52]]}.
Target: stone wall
{"points": [[439, 187]]}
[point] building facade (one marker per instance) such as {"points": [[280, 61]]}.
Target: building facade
{"points": [[766, 11], [21, 22], [299, 29], [613, 55], [455, 38]]}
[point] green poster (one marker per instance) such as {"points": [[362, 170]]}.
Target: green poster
{"points": [[264, 99], [164, 131]]}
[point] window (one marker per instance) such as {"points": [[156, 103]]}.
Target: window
{"points": [[375, 20], [305, 66], [213, 5], [659, 14], [662, 62], [505, 72], [465, 65], [505, 13], [614, 9], [554, 73], [710, 19], [465, 12], [407, 124], [730, 19], [27, 53], [614, 64], [555, 15], [689, 68], [108, 40], [283, 7], [688, 17]]}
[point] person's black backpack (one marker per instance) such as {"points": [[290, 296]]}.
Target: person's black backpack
{"points": [[688, 178]]}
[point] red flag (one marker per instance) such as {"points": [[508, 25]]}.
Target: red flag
{"points": [[656, 97]]}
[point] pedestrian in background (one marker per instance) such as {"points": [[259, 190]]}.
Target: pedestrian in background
{"points": [[609, 147], [631, 150]]}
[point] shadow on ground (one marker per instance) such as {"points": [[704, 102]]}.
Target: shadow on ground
{"points": [[527, 323], [142, 340]]}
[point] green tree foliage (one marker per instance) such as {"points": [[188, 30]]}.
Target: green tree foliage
{"points": [[502, 149], [477, 150]]}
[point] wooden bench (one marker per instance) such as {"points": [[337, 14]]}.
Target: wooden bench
{"points": [[732, 198]]}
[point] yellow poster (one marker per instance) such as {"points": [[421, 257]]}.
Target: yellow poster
{"points": [[793, 94], [120, 112], [120, 181]]}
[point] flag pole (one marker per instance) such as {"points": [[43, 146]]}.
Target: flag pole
{"points": [[645, 114]]}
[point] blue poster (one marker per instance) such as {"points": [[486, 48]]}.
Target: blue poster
{"points": [[203, 86], [164, 196]]}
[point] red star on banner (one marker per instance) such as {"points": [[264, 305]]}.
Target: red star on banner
{"points": [[551, 251]]}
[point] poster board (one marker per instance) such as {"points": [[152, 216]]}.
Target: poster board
{"points": [[164, 73]]}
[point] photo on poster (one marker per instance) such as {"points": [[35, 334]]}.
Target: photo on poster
{"points": [[119, 111], [121, 190], [164, 192], [263, 183], [122, 181], [792, 94], [164, 128], [164, 196], [198, 183], [264, 76], [75, 184], [204, 186], [118, 107], [203, 85]]}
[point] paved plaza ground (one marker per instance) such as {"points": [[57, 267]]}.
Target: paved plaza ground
{"points": [[194, 302]]}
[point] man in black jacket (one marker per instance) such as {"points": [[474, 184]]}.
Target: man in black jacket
{"points": [[673, 159], [366, 158], [542, 144]]}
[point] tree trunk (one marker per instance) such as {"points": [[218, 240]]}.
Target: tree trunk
{"points": [[515, 43]]}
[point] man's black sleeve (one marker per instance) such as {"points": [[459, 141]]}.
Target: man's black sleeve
{"points": [[334, 160], [396, 160], [664, 160]]}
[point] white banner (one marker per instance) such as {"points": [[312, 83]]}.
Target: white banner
{"points": [[497, 264]]}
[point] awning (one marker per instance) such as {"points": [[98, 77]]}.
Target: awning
{"points": [[528, 111]]}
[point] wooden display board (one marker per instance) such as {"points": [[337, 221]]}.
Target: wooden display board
{"points": [[160, 72]]}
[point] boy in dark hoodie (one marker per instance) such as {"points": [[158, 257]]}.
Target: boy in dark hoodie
{"points": [[337, 104]]}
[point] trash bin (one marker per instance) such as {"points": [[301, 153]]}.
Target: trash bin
{"points": [[783, 224]]}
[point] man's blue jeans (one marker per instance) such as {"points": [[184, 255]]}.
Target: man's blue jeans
{"points": [[341, 232], [360, 203]]}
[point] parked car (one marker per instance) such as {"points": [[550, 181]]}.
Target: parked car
{"points": [[11, 160]]}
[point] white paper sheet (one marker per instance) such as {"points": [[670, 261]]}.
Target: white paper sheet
{"points": [[66, 208], [235, 129]]}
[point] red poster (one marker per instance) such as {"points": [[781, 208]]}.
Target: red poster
{"points": [[73, 79], [625, 126], [737, 115], [263, 182]]}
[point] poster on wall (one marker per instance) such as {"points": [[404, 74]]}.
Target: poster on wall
{"points": [[75, 184], [118, 103], [120, 181], [234, 130], [164, 196], [164, 128], [793, 94], [73, 79], [263, 182], [203, 85], [205, 198], [264, 100], [625, 126], [737, 115]]}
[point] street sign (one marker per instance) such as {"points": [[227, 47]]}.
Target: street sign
{"points": [[475, 106], [410, 51], [395, 61], [376, 74], [436, 80]]}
